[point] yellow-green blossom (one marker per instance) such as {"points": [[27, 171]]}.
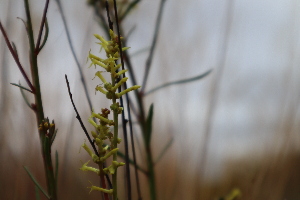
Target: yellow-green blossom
{"points": [[102, 124]]}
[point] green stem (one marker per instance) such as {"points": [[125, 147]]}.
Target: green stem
{"points": [[151, 173], [102, 179], [115, 141], [45, 141], [142, 121]]}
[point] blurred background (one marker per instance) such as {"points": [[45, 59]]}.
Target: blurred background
{"points": [[236, 128]]}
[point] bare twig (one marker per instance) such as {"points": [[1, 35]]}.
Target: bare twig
{"points": [[79, 118], [122, 105], [83, 127], [110, 23], [37, 47], [16, 58]]}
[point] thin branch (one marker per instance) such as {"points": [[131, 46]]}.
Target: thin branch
{"points": [[84, 129], [142, 120], [195, 78], [45, 36], [37, 183], [79, 118], [129, 8], [128, 179], [21, 87], [154, 41], [129, 63], [110, 23], [37, 47], [16, 58], [26, 99], [39, 110], [74, 55], [133, 149]]}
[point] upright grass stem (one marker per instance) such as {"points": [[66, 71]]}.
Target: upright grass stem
{"points": [[115, 142], [101, 173], [139, 98], [46, 129], [128, 179], [115, 145], [142, 121], [45, 141]]}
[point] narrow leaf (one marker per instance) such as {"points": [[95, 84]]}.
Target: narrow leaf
{"points": [[15, 49], [56, 168], [23, 94], [131, 162], [53, 137], [168, 145], [179, 82], [130, 6], [122, 155], [21, 87], [37, 194], [140, 51], [148, 130], [130, 31], [36, 183], [25, 24], [46, 35]]}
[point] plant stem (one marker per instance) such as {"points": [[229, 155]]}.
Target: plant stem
{"points": [[151, 173], [115, 140], [102, 179], [139, 95], [128, 178], [142, 121], [16, 58], [45, 141]]}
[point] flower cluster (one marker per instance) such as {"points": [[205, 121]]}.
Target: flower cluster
{"points": [[103, 131], [48, 129]]}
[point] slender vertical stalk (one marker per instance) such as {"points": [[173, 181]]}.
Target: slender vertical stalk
{"points": [[45, 141], [102, 180], [101, 165], [142, 121], [128, 178], [115, 142], [151, 173]]}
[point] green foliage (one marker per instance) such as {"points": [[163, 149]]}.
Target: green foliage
{"points": [[36, 183]]}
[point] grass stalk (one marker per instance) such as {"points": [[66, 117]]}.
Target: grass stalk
{"points": [[101, 173], [47, 133], [45, 141], [115, 142], [128, 178]]}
